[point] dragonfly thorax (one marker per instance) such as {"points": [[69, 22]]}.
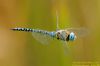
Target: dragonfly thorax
{"points": [[65, 35]]}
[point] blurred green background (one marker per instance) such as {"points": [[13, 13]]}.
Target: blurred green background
{"points": [[21, 49]]}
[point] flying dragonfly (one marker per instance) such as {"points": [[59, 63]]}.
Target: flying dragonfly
{"points": [[66, 35]]}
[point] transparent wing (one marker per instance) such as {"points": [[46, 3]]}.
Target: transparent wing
{"points": [[65, 47], [42, 38], [79, 32], [57, 21]]}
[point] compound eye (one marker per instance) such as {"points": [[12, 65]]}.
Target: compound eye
{"points": [[71, 36]]}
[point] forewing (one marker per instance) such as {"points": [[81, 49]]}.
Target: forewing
{"points": [[42, 38], [79, 32], [57, 21]]}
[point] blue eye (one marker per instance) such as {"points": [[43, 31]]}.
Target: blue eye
{"points": [[71, 36]]}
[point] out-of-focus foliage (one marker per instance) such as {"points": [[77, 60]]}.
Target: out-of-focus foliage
{"points": [[21, 49]]}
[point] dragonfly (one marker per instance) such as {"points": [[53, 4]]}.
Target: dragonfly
{"points": [[65, 35]]}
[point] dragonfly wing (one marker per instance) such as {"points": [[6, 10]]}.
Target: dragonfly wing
{"points": [[65, 47], [79, 32], [42, 38], [57, 21]]}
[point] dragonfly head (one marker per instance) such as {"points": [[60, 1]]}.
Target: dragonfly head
{"points": [[72, 36]]}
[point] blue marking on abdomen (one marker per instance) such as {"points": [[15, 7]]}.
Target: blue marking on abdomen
{"points": [[52, 34]]}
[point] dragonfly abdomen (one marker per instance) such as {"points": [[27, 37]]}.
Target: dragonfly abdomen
{"points": [[31, 30], [52, 34], [23, 29]]}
